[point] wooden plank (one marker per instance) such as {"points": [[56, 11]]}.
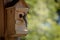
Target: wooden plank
{"points": [[1, 19], [10, 23], [11, 20]]}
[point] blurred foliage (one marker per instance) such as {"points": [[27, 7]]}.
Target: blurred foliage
{"points": [[42, 19]]}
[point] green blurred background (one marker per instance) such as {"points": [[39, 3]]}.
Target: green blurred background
{"points": [[42, 20]]}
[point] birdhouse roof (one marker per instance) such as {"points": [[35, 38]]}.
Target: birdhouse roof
{"points": [[22, 4]]}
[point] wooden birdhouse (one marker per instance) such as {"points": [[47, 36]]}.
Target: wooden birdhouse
{"points": [[16, 20]]}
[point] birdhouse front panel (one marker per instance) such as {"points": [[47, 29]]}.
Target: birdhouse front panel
{"points": [[21, 21], [20, 18]]}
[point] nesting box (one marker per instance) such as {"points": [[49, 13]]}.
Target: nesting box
{"points": [[16, 25]]}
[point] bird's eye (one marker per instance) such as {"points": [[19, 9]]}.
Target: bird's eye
{"points": [[20, 15]]}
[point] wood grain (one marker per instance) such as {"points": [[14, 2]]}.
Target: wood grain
{"points": [[10, 23], [1, 19]]}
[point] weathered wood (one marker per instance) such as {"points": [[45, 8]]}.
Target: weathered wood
{"points": [[10, 23], [1, 19]]}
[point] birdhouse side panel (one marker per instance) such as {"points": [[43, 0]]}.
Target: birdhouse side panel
{"points": [[11, 21]]}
